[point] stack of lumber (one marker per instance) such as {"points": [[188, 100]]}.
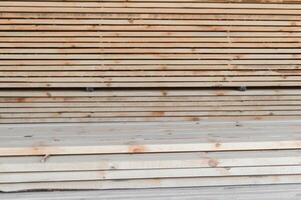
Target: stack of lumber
{"points": [[40, 106], [149, 155], [162, 77], [259, 192], [142, 43]]}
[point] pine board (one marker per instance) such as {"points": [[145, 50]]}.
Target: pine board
{"points": [[118, 138]]}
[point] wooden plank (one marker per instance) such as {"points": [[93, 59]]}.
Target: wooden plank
{"points": [[125, 175], [147, 22], [197, 141], [20, 15], [155, 183], [60, 33], [147, 5], [145, 119], [150, 10], [267, 192], [148, 93], [149, 161]]}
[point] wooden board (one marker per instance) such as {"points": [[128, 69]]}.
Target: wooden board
{"points": [[155, 183], [144, 137], [101, 162], [124, 175], [153, 44], [267, 192]]}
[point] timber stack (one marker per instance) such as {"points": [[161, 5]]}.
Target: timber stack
{"points": [[115, 94]]}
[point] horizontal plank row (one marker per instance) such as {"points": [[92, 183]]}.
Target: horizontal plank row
{"points": [[13, 40], [153, 105], [259, 17], [151, 56], [193, 28], [166, 33], [153, 183], [42, 177], [178, 4], [276, 192], [195, 160], [46, 156], [127, 74], [118, 138], [95, 156], [151, 10], [151, 51], [148, 22], [206, 1], [128, 39]]}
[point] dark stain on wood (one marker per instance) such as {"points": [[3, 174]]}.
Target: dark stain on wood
{"points": [[158, 114]]}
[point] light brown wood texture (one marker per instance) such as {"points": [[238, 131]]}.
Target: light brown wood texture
{"points": [[39, 106], [115, 94], [122, 44]]}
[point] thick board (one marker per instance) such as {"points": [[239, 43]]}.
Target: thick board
{"points": [[144, 137], [61, 163], [267, 192], [154, 183]]}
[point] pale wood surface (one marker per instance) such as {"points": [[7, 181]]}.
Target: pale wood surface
{"points": [[142, 137], [154, 183], [149, 155], [150, 161], [267, 192]]}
